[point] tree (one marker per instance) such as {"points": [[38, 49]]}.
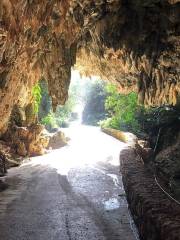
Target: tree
{"points": [[94, 109]]}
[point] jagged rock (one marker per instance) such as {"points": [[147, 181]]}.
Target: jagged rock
{"points": [[144, 150], [167, 161], [11, 162], [21, 149], [38, 146], [57, 140], [7, 156], [30, 115], [29, 140], [134, 44], [143, 143]]}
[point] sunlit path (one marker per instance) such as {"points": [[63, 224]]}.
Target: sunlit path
{"points": [[72, 193]]}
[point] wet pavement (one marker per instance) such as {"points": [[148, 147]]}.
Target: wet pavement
{"points": [[73, 193]]}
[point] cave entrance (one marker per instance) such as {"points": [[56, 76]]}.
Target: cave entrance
{"points": [[75, 188], [91, 101], [85, 104]]}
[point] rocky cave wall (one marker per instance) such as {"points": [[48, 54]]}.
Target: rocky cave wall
{"points": [[133, 43]]}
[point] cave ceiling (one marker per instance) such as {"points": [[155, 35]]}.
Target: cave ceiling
{"points": [[132, 43]]}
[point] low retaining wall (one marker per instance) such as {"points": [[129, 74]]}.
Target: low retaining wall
{"points": [[126, 137], [156, 216]]}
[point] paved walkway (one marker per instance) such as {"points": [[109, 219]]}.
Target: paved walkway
{"points": [[73, 193]]}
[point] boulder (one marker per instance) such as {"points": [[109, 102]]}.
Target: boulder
{"points": [[57, 140], [28, 141]]}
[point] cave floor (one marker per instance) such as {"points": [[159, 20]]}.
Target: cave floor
{"points": [[72, 193]]}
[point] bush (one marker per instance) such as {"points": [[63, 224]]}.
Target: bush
{"points": [[62, 116], [49, 121], [123, 110]]}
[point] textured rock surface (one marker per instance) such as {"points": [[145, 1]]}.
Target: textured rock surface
{"points": [[29, 141], [136, 45], [167, 160], [157, 217], [8, 158], [132, 43], [57, 140]]}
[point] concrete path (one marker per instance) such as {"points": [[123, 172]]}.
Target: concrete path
{"points": [[73, 193]]}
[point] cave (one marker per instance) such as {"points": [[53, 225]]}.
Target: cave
{"points": [[133, 44]]}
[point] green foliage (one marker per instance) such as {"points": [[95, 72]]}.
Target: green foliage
{"points": [[154, 118], [94, 109], [122, 109], [49, 121], [106, 107], [62, 115], [103, 105], [45, 104], [36, 94]]}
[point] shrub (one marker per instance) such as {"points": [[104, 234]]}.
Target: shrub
{"points": [[49, 121], [123, 110]]}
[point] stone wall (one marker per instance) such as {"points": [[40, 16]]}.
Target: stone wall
{"points": [[156, 216]]}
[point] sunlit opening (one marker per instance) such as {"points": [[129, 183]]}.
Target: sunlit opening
{"points": [[86, 147]]}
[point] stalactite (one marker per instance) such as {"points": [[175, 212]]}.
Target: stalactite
{"points": [[122, 39]]}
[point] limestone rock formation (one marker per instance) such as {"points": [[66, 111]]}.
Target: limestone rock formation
{"points": [[133, 43], [7, 158], [29, 141], [57, 140]]}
